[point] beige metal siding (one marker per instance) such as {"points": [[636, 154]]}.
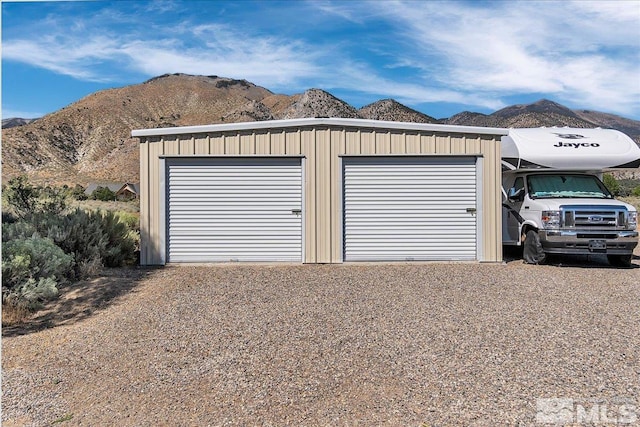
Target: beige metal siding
{"points": [[155, 151], [322, 148], [338, 148], [145, 238], [323, 195], [492, 200]]}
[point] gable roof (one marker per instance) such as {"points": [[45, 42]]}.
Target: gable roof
{"points": [[132, 188], [94, 186]]}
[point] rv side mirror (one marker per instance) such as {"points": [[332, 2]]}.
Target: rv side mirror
{"points": [[516, 194]]}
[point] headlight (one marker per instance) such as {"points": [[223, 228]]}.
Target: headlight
{"points": [[633, 220], [551, 219]]}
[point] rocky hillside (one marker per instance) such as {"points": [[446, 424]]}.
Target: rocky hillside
{"points": [[541, 113], [390, 110], [90, 140]]}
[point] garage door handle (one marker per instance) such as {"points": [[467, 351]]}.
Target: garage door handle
{"points": [[296, 211], [471, 210]]}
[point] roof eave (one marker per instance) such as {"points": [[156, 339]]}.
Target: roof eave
{"points": [[362, 123]]}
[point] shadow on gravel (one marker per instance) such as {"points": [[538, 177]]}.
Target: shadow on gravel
{"points": [[81, 300], [510, 255], [587, 261]]}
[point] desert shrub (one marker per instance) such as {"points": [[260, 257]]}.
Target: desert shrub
{"points": [[121, 244], [627, 185], [133, 224], [88, 267], [8, 217], [52, 200], [131, 220], [20, 196], [78, 193], [103, 193], [44, 244], [31, 270], [636, 191], [31, 294], [24, 199], [93, 238], [18, 230], [33, 257], [77, 233]]}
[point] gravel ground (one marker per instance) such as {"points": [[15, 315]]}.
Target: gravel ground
{"points": [[423, 344]]}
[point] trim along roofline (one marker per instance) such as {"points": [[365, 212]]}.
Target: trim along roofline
{"points": [[320, 121]]}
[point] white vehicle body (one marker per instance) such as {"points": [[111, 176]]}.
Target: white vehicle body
{"points": [[554, 200]]}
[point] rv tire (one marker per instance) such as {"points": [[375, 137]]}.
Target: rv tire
{"points": [[532, 252]]}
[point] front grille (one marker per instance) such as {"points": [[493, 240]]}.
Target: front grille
{"points": [[594, 217]]}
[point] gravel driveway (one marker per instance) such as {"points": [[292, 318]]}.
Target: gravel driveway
{"points": [[433, 344]]}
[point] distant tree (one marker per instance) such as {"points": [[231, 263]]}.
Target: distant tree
{"points": [[611, 183], [24, 199], [78, 193], [627, 186], [104, 194], [20, 196]]}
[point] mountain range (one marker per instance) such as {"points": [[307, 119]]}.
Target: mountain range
{"points": [[90, 140]]}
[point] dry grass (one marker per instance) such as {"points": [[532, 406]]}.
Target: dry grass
{"points": [[12, 315], [132, 206]]}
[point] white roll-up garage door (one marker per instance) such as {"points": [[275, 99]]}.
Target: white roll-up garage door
{"points": [[409, 208], [234, 209]]}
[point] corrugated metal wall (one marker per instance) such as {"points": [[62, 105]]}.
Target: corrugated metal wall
{"points": [[322, 148]]}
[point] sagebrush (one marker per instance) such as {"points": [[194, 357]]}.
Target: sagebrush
{"points": [[32, 268], [45, 244]]}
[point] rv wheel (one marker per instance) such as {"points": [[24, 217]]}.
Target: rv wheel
{"points": [[619, 260], [532, 252]]}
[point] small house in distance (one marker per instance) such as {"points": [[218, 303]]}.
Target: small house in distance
{"points": [[128, 191], [122, 192]]}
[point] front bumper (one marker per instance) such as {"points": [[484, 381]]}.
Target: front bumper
{"points": [[577, 241]]}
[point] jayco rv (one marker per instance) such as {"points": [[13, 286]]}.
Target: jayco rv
{"points": [[554, 201]]}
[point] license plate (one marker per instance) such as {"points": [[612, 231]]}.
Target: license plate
{"points": [[597, 245]]}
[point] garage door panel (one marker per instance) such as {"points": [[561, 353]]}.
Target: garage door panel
{"points": [[241, 211], [409, 208], [367, 233]]}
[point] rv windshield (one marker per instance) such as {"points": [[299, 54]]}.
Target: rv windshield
{"points": [[546, 186]]}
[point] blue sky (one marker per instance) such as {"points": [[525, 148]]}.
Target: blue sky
{"points": [[439, 57]]}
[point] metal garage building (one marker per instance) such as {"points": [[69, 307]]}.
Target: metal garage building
{"points": [[321, 190]]}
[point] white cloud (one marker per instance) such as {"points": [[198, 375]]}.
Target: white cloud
{"points": [[529, 47], [339, 10], [623, 11], [162, 6], [216, 50], [63, 56], [219, 50]]}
